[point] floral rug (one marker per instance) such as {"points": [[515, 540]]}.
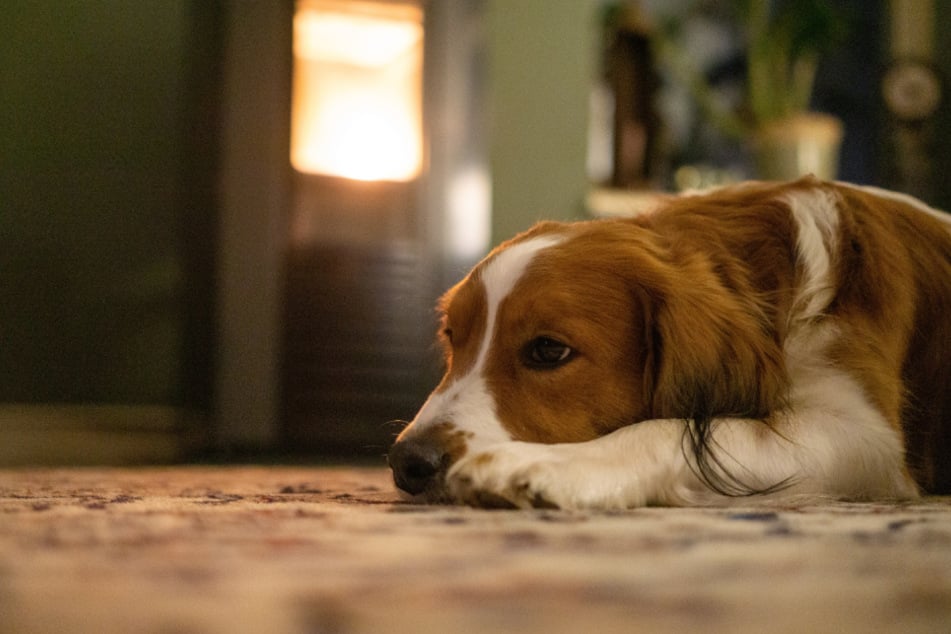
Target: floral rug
{"points": [[317, 550]]}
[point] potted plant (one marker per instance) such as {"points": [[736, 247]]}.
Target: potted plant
{"points": [[784, 40]]}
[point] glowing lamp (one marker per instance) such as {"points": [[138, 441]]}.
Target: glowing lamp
{"points": [[357, 92]]}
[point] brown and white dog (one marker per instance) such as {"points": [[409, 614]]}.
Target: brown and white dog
{"points": [[766, 339]]}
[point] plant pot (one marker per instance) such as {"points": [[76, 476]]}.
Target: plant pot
{"points": [[803, 144]]}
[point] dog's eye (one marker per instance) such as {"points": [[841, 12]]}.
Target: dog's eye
{"points": [[447, 333], [545, 352]]}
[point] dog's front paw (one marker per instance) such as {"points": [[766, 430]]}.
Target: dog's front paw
{"points": [[508, 475], [527, 475]]}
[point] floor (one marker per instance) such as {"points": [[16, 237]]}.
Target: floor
{"points": [[316, 550]]}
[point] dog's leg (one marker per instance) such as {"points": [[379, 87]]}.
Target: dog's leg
{"points": [[821, 454]]}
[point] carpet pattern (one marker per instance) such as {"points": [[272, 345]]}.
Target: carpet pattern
{"points": [[257, 549]]}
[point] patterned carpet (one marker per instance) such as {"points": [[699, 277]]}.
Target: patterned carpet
{"points": [[195, 550]]}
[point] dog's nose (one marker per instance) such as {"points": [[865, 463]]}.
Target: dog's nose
{"points": [[415, 464]]}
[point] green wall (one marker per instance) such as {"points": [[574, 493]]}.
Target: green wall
{"points": [[94, 174], [542, 60]]}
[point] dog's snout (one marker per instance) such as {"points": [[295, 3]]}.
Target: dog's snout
{"points": [[415, 465]]}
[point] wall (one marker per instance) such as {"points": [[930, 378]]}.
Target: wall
{"points": [[542, 59], [254, 180], [940, 149], [105, 206]]}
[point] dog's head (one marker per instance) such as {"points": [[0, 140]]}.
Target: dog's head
{"points": [[570, 331]]}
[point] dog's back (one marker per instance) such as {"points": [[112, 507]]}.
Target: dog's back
{"points": [[925, 236]]}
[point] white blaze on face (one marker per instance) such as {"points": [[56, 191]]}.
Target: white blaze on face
{"points": [[467, 403]]}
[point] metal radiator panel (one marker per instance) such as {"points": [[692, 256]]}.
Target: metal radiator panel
{"points": [[358, 348]]}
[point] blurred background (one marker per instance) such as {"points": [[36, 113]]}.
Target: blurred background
{"points": [[224, 223]]}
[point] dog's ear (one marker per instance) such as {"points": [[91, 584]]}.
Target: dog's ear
{"points": [[710, 352]]}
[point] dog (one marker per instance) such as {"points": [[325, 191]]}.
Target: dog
{"points": [[760, 341]]}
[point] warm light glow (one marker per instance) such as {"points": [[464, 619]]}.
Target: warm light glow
{"points": [[357, 108], [468, 215]]}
